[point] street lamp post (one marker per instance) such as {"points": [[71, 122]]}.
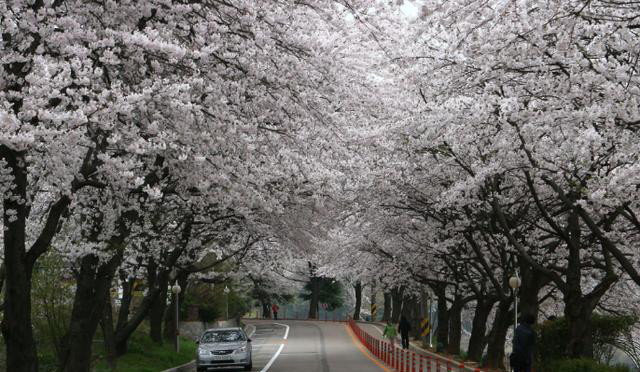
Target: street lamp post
{"points": [[226, 292], [514, 283], [176, 291], [430, 320]]}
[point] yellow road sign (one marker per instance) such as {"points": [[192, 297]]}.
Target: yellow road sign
{"points": [[425, 327]]}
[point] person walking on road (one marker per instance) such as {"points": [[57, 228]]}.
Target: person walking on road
{"points": [[390, 333], [524, 338], [404, 327], [274, 309]]}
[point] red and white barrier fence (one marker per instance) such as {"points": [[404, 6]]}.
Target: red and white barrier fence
{"points": [[405, 360]]}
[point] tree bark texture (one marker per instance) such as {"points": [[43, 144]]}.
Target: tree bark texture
{"points": [[93, 284], [358, 292], [478, 339], [415, 316], [170, 326], [315, 294], [442, 332], [108, 334], [266, 309], [21, 353], [455, 329], [498, 334], [158, 308], [532, 283], [396, 298], [373, 300], [386, 312], [578, 315]]}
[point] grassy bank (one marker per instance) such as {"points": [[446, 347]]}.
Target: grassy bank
{"points": [[146, 356]]}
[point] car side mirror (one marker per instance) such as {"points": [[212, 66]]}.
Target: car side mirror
{"points": [[248, 340], [197, 342]]}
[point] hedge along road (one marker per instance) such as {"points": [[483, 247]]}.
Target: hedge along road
{"points": [[308, 346]]}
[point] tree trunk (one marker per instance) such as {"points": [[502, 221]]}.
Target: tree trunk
{"points": [[373, 301], [170, 326], [170, 320], [411, 310], [315, 294], [455, 329], [156, 312], [386, 313], [532, 282], [396, 298], [93, 284], [21, 354], [478, 339], [442, 332], [266, 310], [156, 317], [123, 312], [498, 334], [356, 311], [127, 325], [579, 306], [121, 345], [578, 314], [577, 310], [109, 338]]}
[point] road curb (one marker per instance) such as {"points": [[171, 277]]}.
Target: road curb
{"points": [[187, 367]]}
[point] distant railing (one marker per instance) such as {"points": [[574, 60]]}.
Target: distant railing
{"points": [[405, 360]]}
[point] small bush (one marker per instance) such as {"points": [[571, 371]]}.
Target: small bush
{"points": [[583, 365], [553, 336]]}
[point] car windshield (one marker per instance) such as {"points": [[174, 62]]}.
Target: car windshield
{"points": [[222, 336]]}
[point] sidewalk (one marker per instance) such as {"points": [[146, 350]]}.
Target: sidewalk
{"points": [[416, 346]]}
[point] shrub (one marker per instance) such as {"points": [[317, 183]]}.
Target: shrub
{"points": [[553, 336], [583, 365], [52, 300]]}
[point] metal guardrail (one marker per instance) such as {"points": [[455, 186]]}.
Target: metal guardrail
{"points": [[405, 360]]}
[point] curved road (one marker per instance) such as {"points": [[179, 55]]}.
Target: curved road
{"points": [[308, 346]]}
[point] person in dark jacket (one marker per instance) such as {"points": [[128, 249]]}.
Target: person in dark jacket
{"points": [[404, 327], [524, 339]]}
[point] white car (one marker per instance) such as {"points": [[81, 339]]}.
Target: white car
{"points": [[224, 348]]}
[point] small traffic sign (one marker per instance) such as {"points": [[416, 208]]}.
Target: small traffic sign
{"points": [[425, 327]]}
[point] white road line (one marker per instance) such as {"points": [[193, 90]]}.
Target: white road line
{"points": [[273, 359], [378, 329], [286, 333], [254, 330]]}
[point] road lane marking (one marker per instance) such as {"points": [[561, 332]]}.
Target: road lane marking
{"points": [[377, 329], [254, 330], [364, 351], [273, 359], [286, 333]]}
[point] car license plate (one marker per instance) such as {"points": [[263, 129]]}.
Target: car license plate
{"points": [[221, 357]]}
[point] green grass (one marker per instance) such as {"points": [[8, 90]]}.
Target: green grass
{"points": [[146, 356]]}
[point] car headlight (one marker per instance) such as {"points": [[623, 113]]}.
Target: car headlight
{"points": [[242, 349], [203, 352]]}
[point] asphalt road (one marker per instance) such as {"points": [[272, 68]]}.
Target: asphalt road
{"points": [[308, 346]]}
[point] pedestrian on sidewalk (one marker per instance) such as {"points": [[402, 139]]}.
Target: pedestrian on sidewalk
{"points": [[390, 333], [274, 309], [524, 338], [404, 327]]}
